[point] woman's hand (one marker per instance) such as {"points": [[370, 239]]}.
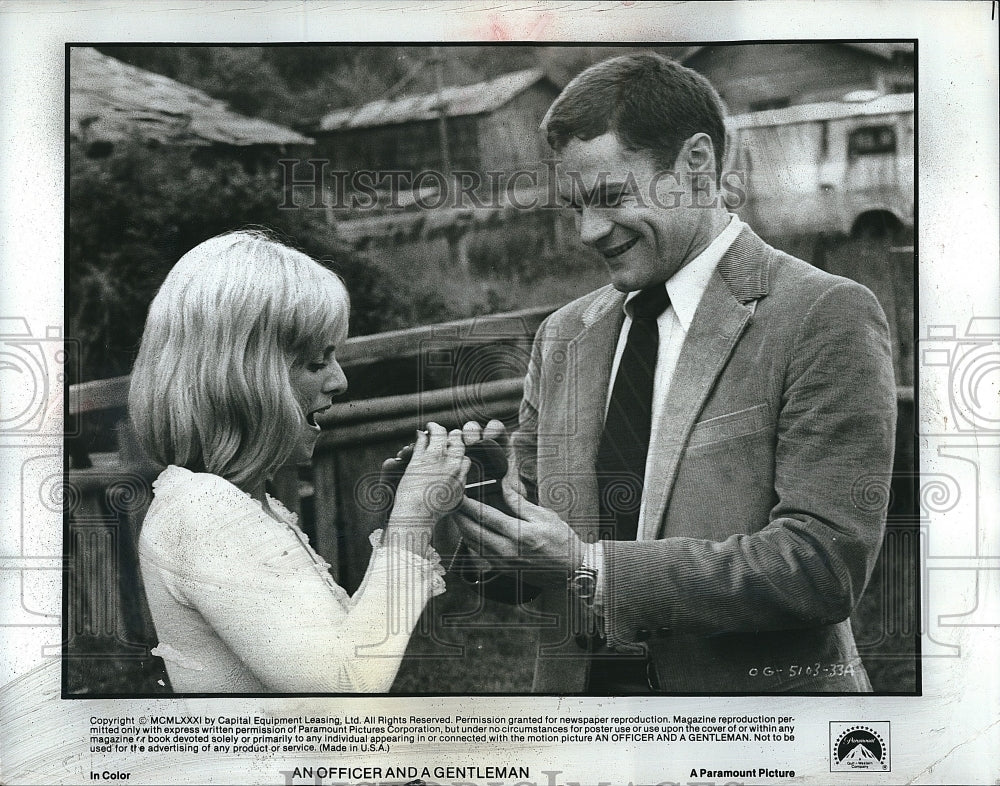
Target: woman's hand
{"points": [[433, 485]]}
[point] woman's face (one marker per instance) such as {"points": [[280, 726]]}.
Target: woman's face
{"points": [[315, 381]]}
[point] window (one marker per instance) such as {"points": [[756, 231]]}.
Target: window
{"points": [[870, 140]]}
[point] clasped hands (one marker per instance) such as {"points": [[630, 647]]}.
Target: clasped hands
{"points": [[536, 539]]}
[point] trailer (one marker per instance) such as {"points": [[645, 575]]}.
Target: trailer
{"points": [[834, 168]]}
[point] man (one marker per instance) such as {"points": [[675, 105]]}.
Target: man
{"points": [[695, 432]]}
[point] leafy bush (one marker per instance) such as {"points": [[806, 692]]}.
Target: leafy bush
{"points": [[530, 247], [133, 214]]}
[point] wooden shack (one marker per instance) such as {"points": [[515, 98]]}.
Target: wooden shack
{"points": [[491, 126], [753, 77]]}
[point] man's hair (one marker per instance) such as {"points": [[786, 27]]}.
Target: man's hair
{"points": [[210, 389], [648, 101]]}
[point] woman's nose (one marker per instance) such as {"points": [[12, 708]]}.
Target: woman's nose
{"points": [[335, 383]]}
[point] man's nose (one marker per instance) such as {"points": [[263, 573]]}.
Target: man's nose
{"points": [[594, 225], [336, 381]]}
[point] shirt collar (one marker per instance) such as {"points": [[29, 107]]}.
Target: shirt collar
{"points": [[688, 284]]}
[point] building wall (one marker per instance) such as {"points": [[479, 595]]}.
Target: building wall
{"points": [[501, 140], [509, 137], [751, 76], [410, 146]]}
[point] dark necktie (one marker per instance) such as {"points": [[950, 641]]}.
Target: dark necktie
{"points": [[621, 455]]}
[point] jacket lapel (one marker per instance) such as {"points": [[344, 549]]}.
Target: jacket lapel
{"points": [[740, 278], [576, 403]]}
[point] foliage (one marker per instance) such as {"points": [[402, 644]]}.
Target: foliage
{"points": [[531, 248], [134, 214], [297, 85]]}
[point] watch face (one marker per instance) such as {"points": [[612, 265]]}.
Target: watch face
{"points": [[584, 583]]}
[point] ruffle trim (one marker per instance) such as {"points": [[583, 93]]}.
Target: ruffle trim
{"points": [[429, 565]]}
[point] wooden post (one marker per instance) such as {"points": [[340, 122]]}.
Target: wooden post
{"points": [[437, 58], [457, 252]]}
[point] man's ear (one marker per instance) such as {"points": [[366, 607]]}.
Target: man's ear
{"points": [[698, 153]]}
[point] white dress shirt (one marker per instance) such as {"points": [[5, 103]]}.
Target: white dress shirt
{"points": [[685, 289]]}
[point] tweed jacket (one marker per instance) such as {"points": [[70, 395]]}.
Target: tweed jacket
{"points": [[782, 407]]}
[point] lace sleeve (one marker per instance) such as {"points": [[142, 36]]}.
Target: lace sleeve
{"points": [[282, 618], [403, 567]]}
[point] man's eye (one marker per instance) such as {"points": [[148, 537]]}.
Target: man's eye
{"points": [[314, 367]]}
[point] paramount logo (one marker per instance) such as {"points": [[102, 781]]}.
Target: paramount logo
{"points": [[859, 746]]}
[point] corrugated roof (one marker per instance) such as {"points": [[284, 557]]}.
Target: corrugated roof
{"points": [[826, 110], [111, 101], [456, 100]]}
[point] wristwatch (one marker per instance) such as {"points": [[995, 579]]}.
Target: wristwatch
{"points": [[582, 584]]}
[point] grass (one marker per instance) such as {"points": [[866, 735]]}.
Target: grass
{"points": [[546, 271]]}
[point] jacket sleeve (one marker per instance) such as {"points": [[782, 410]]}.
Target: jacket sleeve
{"points": [[808, 564]]}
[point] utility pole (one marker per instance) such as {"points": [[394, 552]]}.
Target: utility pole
{"points": [[437, 57], [457, 236]]}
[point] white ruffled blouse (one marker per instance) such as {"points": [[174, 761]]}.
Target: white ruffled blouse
{"points": [[243, 604]]}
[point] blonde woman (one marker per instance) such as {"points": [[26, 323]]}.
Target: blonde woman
{"points": [[237, 359]]}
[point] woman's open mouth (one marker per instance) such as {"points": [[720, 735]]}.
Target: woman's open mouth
{"points": [[311, 417]]}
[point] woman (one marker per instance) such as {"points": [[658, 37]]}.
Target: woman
{"points": [[237, 359]]}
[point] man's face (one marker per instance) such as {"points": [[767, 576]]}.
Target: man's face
{"points": [[639, 218]]}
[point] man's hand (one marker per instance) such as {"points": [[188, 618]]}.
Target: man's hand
{"points": [[537, 539], [495, 430]]}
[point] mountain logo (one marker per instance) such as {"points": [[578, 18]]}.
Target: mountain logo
{"points": [[860, 746]]}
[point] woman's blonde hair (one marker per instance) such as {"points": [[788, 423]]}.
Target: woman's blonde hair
{"points": [[210, 390]]}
